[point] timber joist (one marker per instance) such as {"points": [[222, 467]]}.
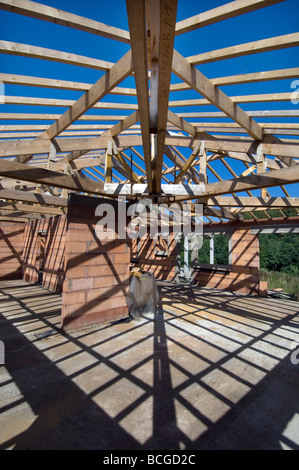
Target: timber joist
{"points": [[152, 118]]}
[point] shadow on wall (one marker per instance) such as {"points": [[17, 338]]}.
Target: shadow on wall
{"points": [[44, 249], [210, 371], [11, 249]]}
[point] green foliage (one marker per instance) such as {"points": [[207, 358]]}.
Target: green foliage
{"points": [[221, 254], [280, 252], [286, 281], [204, 251]]}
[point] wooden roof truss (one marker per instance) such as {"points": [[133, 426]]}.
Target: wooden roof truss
{"points": [[151, 141]]}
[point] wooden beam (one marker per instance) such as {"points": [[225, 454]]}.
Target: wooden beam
{"points": [[43, 127], [12, 79], [118, 72], [22, 220], [222, 213], [245, 201], [31, 101], [54, 117], [262, 98], [282, 74], [204, 86], [108, 164], [179, 160], [223, 12], [17, 170], [163, 35], [131, 174], [287, 148], [34, 209], [37, 198], [249, 170], [265, 114], [264, 45], [263, 180], [138, 35], [25, 50], [283, 148], [53, 15], [181, 123], [188, 163], [19, 216], [112, 132], [249, 158]]}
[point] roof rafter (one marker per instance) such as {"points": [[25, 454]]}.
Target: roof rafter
{"points": [[224, 12], [205, 87], [54, 15]]}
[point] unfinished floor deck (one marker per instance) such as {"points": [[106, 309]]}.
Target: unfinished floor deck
{"points": [[212, 370]]}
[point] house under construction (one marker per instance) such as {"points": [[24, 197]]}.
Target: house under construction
{"points": [[202, 372]]}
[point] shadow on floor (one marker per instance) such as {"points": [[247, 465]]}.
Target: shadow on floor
{"points": [[210, 371]]}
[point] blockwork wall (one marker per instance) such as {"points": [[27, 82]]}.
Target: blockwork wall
{"points": [[44, 252], [156, 256], [97, 271], [11, 249], [243, 275]]}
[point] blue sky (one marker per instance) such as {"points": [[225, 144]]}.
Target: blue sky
{"points": [[271, 21]]}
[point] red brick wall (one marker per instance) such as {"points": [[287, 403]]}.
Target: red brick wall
{"points": [[163, 268], [11, 249], [54, 230], [244, 274], [97, 272]]}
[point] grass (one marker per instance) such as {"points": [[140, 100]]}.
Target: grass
{"points": [[285, 281]]}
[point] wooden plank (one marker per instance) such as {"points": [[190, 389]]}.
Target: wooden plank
{"points": [[37, 198], [34, 209], [112, 132], [245, 201], [31, 101], [12, 79], [203, 166], [179, 160], [188, 163], [83, 163], [282, 74], [131, 174], [25, 50], [108, 166], [266, 113], [54, 117], [248, 158], [54, 15], [223, 12], [203, 85], [17, 170], [264, 45], [118, 72], [18, 216], [233, 125], [249, 170], [222, 213], [138, 35], [43, 127], [261, 98], [181, 123], [13, 219], [165, 43], [292, 113], [124, 124], [250, 182], [284, 148]]}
